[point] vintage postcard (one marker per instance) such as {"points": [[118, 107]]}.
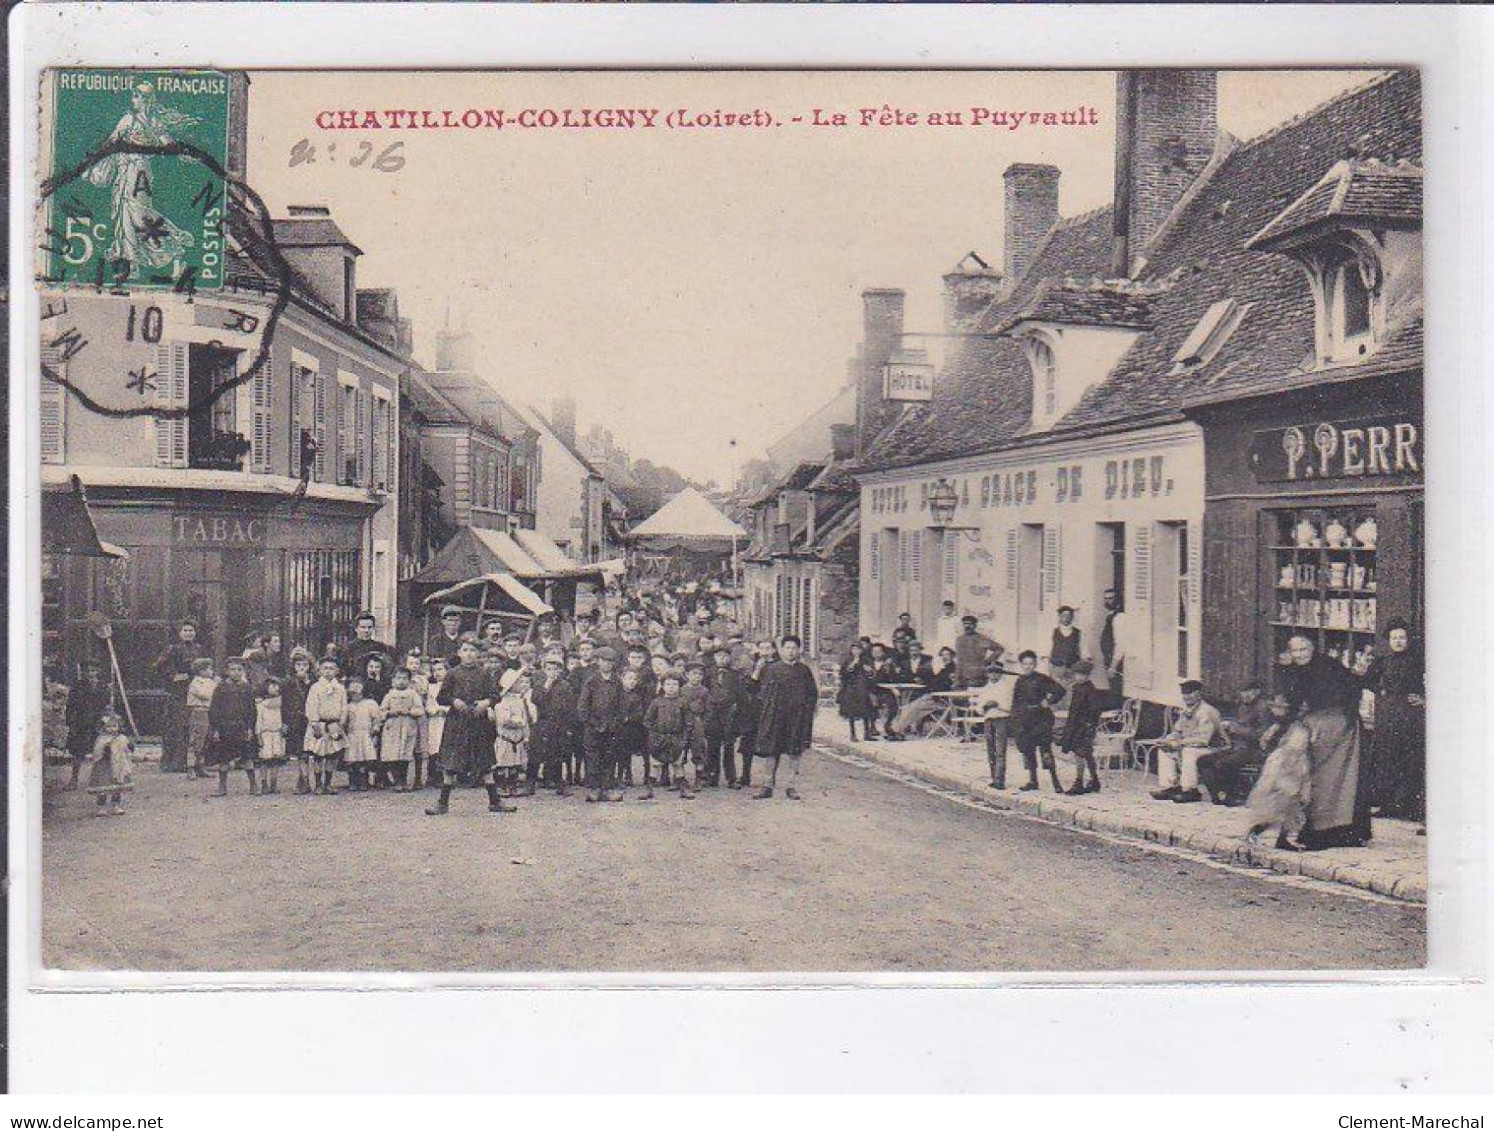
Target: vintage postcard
{"points": [[732, 522]]}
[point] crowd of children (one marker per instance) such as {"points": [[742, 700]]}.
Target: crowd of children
{"points": [[678, 708]]}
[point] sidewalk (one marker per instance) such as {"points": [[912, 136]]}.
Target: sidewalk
{"points": [[1394, 863]]}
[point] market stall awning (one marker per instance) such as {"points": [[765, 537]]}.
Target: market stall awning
{"points": [[553, 558], [687, 521], [67, 525], [475, 553], [526, 598]]}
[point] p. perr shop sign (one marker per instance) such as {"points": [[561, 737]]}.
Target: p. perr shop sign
{"points": [[908, 381]]}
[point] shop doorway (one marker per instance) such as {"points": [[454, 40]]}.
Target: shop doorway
{"points": [[891, 563], [1110, 564]]}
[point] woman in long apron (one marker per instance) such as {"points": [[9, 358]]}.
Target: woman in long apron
{"points": [[1327, 696]]}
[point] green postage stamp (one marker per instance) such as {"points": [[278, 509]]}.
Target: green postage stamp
{"points": [[137, 177]]}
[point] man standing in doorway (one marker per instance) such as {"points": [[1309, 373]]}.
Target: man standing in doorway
{"points": [[946, 628], [1112, 644]]}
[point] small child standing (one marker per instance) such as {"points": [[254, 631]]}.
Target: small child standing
{"points": [[362, 753], [110, 775], [1086, 705], [326, 723], [435, 722], [696, 698], [231, 727], [404, 709], [666, 721], [199, 698], [513, 721], [631, 738], [269, 728]]}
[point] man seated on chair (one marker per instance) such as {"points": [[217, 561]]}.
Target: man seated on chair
{"points": [[1220, 770], [1199, 730], [936, 676]]}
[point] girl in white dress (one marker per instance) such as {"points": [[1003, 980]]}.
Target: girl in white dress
{"points": [[269, 729], [514, 717], [435, 719]]}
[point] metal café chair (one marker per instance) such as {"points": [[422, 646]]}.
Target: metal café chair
{"points": [[1143, 748], [1113, 741]]}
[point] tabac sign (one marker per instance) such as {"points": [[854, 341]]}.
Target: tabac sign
{"points": [[138, 172], [908, 381], [1327, 450]]}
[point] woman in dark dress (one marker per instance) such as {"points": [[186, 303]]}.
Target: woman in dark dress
{"points": [[1398, 766], [1327, 696], [467, 739], [855, 697]]}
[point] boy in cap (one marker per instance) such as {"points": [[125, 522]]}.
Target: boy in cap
{"points": [[600, 708], [1086, 704], [785, 722], [665, 723], [696, 699], [1033, 697]]}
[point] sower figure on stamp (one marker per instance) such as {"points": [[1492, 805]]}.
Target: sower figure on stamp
{"points": [[785, 722], [466, 740]]}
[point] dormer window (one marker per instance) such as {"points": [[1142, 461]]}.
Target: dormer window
{"points": [[1045, 367], [1357, 234], [1203, 344]]}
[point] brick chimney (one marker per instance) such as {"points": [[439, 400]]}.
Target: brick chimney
{"points": [[1166, 133], [316, 247], [882, 332], [842, 442], [563, 419], [1031, 212], [969, 288]]}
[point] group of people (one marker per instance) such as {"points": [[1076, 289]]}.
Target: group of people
{"points": [[1294, 758], [644, 697]]}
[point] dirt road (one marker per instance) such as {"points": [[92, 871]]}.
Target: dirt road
{"points": [[865, 874]]}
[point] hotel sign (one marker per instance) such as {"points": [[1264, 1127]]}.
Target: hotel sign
{"points": [[1328, 450], [908, 381]]}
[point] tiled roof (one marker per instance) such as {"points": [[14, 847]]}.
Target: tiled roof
{"points": [[1092, 302], [983, 398], [431, 403], [1366, 191], [312, 232]]}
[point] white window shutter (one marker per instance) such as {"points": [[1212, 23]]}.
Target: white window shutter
{"points": [[319, 425], [902, 555], [951, 560], [171, 393], [915, 555], [297, 376], [360, 436], [53, 408], [1011, 560], [1195, 569], [1139, 612], [259, 412], [874, 557], [1052, 565]]}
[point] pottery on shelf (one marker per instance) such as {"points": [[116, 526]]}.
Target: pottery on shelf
{"points": [[1367, 533], [1306, 534], [1335, 534]]}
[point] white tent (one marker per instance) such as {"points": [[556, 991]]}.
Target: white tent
{"points": [[688, 521]]}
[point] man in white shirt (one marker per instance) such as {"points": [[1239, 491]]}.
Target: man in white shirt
{"points": [[1199, 730], [946, 628], [994, 701]]}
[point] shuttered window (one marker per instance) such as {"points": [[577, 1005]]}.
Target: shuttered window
{"points": [[874, 565], [294, 434], [1051, 565], [902, 555], [380, 451], [319, 410], [951, 561], [1011, 560], [347, 414], [915, 555], [53, 408], [171, 393], [259, 419], [360, 437]]}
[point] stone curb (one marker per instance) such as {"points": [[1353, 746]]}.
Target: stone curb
{"points": [[1410, 889]]}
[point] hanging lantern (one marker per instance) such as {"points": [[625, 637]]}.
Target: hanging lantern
{"points": [[943, 499]]}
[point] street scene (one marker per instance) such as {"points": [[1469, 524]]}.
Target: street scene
{"points": [[566, 525]]}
